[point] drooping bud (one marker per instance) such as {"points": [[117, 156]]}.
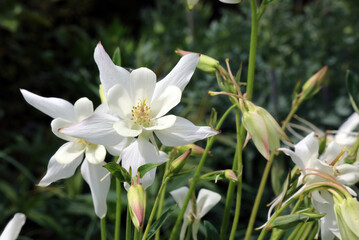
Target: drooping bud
{"points": [[230, 175], [196, 150], [262, 127], [179, 162], [206, 64], [347, 214], [191, 4], [313, 84], [137, 204]]}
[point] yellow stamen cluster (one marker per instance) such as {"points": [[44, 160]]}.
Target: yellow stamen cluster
{"points": [[140, 113]]}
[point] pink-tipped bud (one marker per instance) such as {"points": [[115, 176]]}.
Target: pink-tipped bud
{"points": [[313, 84], [230, 175], [206, 64], [179, 162], [196, 150], [137, 204]]}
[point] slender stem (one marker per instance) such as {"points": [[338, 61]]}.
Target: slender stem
{"points": [[295, 231], [197, 175], [162, 197], [136, 235], [103, 228], [118, 210], [240, 140], [153, 211], [128, 225], [228, 204], [252, 50]]}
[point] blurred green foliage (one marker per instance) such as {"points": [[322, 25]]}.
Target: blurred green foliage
{"points": [[47, 47]]}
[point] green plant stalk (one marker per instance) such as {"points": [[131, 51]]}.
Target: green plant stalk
{"points": [[305, 230], [265, 176], [128, 225], [313, 233], [295, 231], [136, 235], [118, 210], [197, 176], [162, 197], [103, 228], [228, 204], [153, 211], [240, 139]]}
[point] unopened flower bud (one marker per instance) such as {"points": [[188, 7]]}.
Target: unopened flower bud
{"points": [[136, 204], [262, 127], [196, 150], [206, 64], [347, 214], [230, 175], [313, 84], [179, 162]]}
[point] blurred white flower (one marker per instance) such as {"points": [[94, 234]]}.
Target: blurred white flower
{"points": [[345, 135], [137, 105], [206, 201], [69, 156], [13, 228]]}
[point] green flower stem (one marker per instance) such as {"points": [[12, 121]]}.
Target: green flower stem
{"points": [[313, 233], [296, 231], [136, 235], [240, 139], [252, 50], [197, 175], [118, 210], [228, 204], [153, 211], [160, 206], [103, 228], [128, 225]]}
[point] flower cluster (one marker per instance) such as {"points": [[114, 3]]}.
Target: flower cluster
{"points": [[124, 126]]}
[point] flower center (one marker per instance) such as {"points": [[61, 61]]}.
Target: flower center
{"points": [[140, 113]]}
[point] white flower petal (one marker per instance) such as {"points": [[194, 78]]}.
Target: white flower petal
{"points": [[69, 152], [110, 74], [103, 108], [165, 101], [127, 129], [57, 171], [179, 195], [13, 228], [117, 149], [180, 74], [95, 154], [93, 173], [139, 153], [53, 107], [162, 123], [142, 84], [307, 149], [206, 201], [348, 174], [231, 1], [83, 109], [119, 101], [183, 132], [195, 227], [58, 124], [343, 136], [184, 228], [331, 153], [97, 129], [295, 158]]}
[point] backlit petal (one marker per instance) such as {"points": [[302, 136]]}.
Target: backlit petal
{"points": [[119, 101], [13, 228], [93, 173], [165, 101], [95, 154], [57, 171], [162, 123], [53, 107], [183, 132], [110, 74], [60, 123], [126, 129], [69, 152], [142, 84], [206, 201], [83, 109]]}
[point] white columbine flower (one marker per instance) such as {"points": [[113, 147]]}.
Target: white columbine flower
{"points": [[345, 135], [206, 200], [137, 108], [305, 157], [13, 228], [69, 156]]}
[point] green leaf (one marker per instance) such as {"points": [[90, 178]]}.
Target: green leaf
{"points": [[352, 84], [288, 221], [119, 172], [211, 231], [116, 58], [146, 168], [159, 222]]}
